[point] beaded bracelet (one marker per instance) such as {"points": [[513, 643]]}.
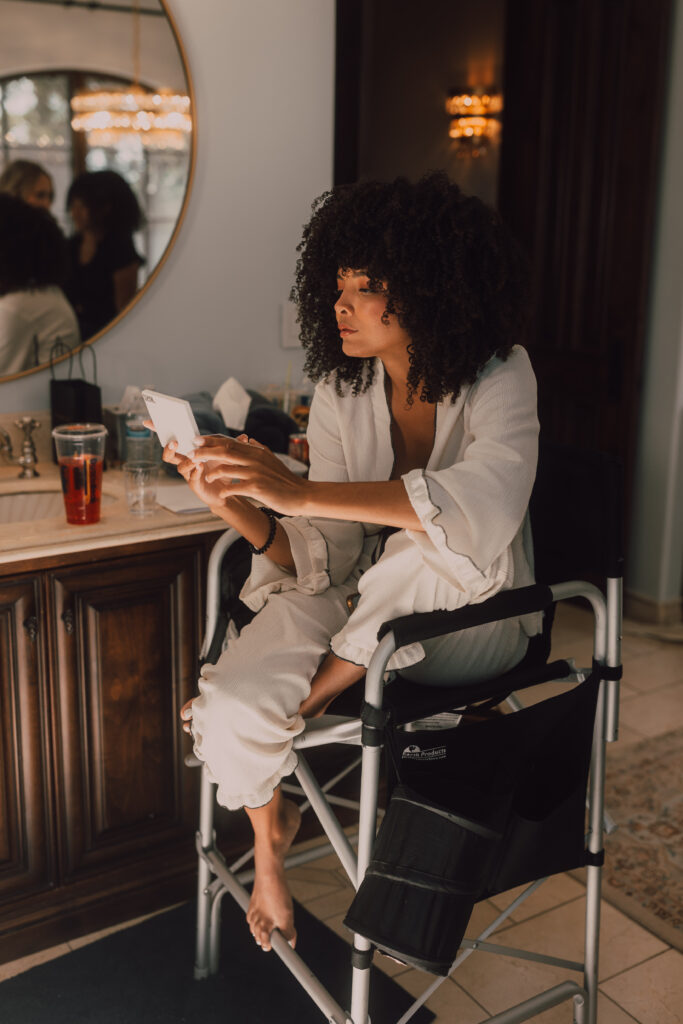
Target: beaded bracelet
{"points": [[271, 532]]}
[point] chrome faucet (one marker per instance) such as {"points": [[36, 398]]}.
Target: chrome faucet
{"points": [[28, 458]]}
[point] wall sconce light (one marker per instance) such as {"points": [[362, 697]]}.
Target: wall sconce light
{"points": [[475, 119]]}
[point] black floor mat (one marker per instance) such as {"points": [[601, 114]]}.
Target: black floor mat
{"points": [[144, 975]]}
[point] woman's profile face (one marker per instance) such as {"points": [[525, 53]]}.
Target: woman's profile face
{"points": [[80, 214], [359, 313], [39, 193]]}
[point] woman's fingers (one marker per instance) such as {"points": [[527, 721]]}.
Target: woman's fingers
{"points": [[231, 450], [231, 474], [186, 715], [169, 453], [174, 458], [213, 441], [210, 440]]}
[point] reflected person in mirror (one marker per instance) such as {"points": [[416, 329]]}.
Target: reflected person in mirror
{"points": [[34, 312], [28, 181], [423, 444], [103, 260]]}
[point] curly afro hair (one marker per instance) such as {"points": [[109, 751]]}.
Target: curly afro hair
{"points": [[451, 273], [109, 199]]}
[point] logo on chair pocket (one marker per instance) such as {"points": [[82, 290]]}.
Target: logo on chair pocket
{"points": [[430, 754]]}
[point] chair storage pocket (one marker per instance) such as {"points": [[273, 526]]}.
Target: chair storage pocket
{"points": [[428, 869]]}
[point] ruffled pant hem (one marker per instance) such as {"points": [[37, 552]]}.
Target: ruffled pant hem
{"points": [[258, 797]]}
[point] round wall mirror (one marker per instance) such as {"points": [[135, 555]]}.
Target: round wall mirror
{"points": [[96, 127]]}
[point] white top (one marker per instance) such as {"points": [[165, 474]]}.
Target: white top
{"points": [[471, 498], [43, 314]]}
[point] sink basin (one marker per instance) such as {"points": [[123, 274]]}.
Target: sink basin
{"points": [[26, 506]]}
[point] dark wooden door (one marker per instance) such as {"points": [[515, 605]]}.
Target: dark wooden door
{"points": [[27, 863], [124, 655], [584, 93]]}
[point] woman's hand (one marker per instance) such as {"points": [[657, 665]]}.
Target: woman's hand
{"points": [[242, 466], [196, 475], [193, 473]]}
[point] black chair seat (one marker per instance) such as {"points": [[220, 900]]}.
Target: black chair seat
{"points": [[407, 700]]}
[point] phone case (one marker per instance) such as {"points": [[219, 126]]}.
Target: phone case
{"points": [[173, 420]]}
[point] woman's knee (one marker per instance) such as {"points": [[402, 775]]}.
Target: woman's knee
{"points": [[242, 711]]}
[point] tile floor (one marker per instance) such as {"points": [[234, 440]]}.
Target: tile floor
{"points": [[641, 977]]}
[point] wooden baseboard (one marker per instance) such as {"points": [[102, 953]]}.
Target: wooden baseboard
{"points": [[646, 609]]}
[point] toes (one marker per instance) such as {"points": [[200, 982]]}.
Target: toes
{"points": [[260, 930], [262, 935]]}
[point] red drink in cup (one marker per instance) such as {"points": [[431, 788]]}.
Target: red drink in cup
{"points": [[82, 487], [80, 454]]}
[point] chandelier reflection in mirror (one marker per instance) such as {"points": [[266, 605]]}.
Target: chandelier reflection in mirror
{"points": [[158, 120], [475, 119]]}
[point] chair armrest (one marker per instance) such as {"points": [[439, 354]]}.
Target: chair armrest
{"points": [[213, 588], [507, 604]]}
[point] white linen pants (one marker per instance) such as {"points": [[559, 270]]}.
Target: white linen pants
{"points": [[247, 715]]}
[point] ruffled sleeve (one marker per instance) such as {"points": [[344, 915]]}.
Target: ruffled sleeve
{"points": [[473, 510], [325, 551]]}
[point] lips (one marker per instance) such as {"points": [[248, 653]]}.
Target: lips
{"points": [[345, 330]]}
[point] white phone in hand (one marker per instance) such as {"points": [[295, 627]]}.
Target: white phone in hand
{"points": [[173, 420]]}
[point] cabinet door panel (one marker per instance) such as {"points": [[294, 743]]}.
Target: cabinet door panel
{"points": [[26, 863], [126, 663], [130, 727]]}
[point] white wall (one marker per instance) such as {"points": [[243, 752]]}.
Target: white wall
{"points": [[263, 74], [655, 563]]}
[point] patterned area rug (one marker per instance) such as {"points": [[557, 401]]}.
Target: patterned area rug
{"points": [[643, 874]]}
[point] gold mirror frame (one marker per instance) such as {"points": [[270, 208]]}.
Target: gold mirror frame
{"points": [[171, 242]]}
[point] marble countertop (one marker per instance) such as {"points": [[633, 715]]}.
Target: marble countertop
{"points": [[54, 536]]}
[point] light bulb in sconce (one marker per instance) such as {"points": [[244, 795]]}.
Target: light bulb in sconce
{"points": [[475, 119]]}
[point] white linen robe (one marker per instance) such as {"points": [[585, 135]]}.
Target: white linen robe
{"points": [[472, 500]]}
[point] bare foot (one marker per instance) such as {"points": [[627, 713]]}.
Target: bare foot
{"points": [[271, 904]]}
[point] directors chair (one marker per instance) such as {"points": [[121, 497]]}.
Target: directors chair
{"points": [[509, 796]]}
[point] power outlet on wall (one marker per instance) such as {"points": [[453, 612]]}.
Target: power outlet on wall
{"points": [[289, 329]]}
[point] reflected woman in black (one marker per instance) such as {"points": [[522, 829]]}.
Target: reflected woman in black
{"points": [[104, 263]]}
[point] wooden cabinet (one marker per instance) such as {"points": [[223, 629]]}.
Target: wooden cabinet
{"points": [[27, 856], [97, 812]]}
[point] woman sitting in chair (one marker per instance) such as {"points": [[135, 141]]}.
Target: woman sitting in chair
{"points": [[423, 441]]}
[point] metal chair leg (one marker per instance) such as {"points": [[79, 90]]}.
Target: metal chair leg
{"points": [[594, 871], [205, 839], [367, 827]]}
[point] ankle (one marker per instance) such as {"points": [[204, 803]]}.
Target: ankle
{"points": [[280, 826]]}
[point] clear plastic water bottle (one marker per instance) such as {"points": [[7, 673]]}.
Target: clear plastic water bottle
{"points": [[141, 444]]}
